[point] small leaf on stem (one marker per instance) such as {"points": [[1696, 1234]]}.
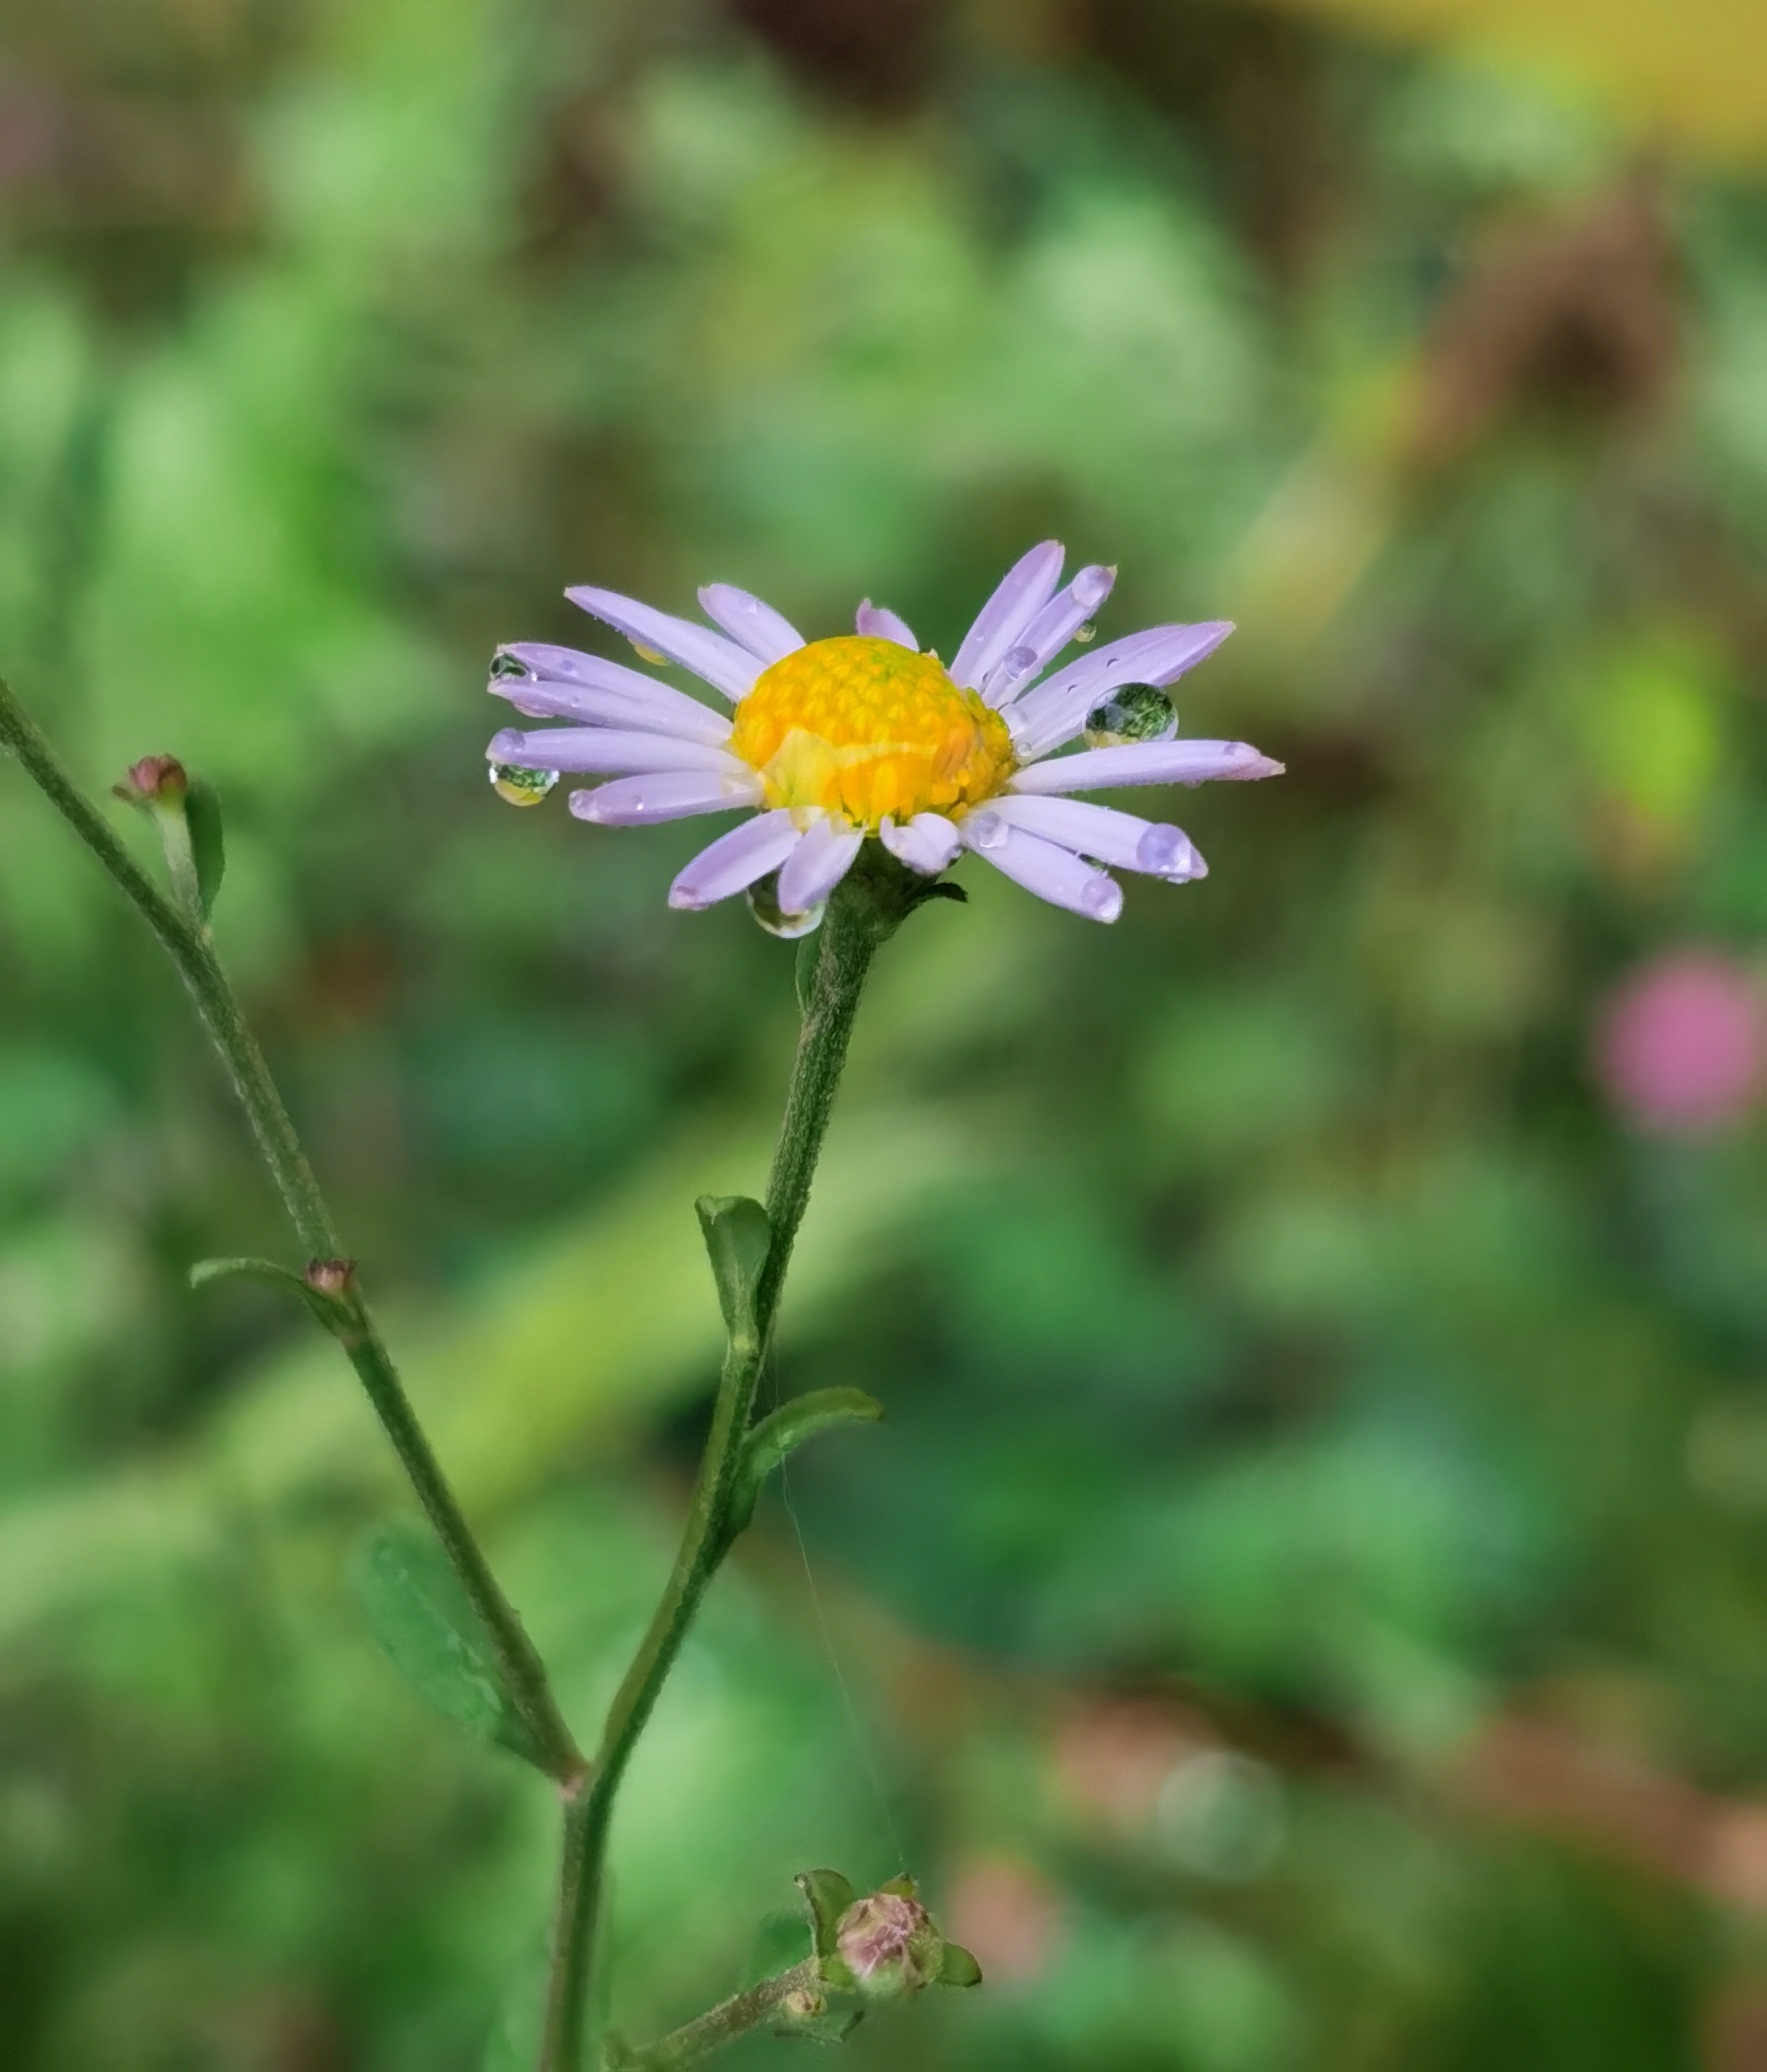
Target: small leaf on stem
{"points": [[785, 1429], [426, 1626], [738, 1240], [324, 1299], [207, 841]]}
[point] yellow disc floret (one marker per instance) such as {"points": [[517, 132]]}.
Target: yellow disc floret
{"points": [[864, 728]]}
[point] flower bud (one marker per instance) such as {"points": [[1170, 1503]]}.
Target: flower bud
{"points": [[335, 1278], [888, 1943], [154, 780]]}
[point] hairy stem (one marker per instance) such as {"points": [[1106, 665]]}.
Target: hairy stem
{"points": [[770, 2001], [865, 909], [187, 943]]}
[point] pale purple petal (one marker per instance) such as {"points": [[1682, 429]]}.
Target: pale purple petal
{"points": [[1120, 839], [882, 624], [665, 795], [570, 665], [610, 749], [1047, 634], [1053, 872], [735, 860], [1146, 762], [647, 706], [1055, 712], [723, 664], [1026, 588], [755, 626], [818, 863], [928, 843]]}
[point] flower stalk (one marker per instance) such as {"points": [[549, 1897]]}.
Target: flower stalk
{"points": [[178, 923], [865, 909]]}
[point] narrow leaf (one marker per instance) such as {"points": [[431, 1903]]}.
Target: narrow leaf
{"points": [[828, 1895], [957, 1967], [786, 1429], [738, 1238], [207, 1270], [425, 1622], [207, 841], [331, 1312]]}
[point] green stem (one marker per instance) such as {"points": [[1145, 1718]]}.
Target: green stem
{"points": [[733, 2018], [186, 941], [864, 910]]}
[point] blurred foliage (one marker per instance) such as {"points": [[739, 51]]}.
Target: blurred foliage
{"points": [[1305, 1607]]}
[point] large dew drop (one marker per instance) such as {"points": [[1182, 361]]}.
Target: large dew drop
{"points": [[1133, 713], [521, 786], [764, 904]]}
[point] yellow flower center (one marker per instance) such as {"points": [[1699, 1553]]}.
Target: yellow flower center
{"points": [[862, 727]]}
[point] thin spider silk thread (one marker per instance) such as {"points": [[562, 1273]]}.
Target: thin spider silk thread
{"points": [[868, 1762]]}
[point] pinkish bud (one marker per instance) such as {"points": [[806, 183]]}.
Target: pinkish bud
{"points": [[889, 1944], [336, 1278], [155, 780]]}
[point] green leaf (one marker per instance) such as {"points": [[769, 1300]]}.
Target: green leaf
{"points": [[420, 1613], [331, 1312], [786, 1429], [738, 1240], [957, 1967], [828, 1895], [207, 842], [781, 1940]]}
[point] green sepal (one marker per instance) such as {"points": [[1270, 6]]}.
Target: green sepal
{"points": [[834, 1970], [785, 1430], [419, 1612], [738, 1240], [207, 841], [827, 1895], [336, 1316], [903, 1886], [957, 1967]]}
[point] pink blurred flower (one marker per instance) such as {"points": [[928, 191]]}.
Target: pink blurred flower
{"points": [[1008, 1914], [1680, 1044]]}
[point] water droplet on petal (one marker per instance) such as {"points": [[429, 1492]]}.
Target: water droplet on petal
{"points": [[1132, 712], [1165, 851], [986, 831], [1102, 899], [764, 904], [1085, 634], [519, 786]]}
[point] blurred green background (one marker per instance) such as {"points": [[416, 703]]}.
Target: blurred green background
{"points": [[1308, 1607]]}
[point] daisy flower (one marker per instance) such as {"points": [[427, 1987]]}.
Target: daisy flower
{"points": [[825, 745]]}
